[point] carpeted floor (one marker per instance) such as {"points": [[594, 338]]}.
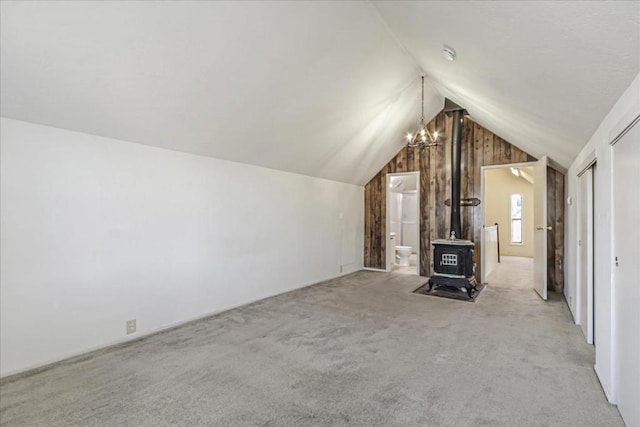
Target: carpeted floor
{"points": [[412, 268], [361, 350], [450, 292], [512, 272]]}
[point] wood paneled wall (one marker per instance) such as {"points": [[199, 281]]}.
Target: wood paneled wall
{"points": [[480, 147], [555, 238]]}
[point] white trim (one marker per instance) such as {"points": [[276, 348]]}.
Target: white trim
{"points": [[387, 225], [509, 165], [378, 270], [550, 163], [482, 199], [589, 161], [521, 242], [587, 204], [602, 374], [624, 131]]}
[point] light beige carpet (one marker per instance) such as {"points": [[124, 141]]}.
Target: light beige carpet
{"points": [[512, 272], [361, 350]]}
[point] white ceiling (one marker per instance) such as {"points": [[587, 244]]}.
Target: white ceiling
{"points": [[541, 74], [325, 89], [318, 88]]}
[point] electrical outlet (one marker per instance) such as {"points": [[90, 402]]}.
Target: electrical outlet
{"points": [[131, 326]]}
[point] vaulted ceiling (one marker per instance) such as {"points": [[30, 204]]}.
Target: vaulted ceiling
{"points": [[541, 74], [326, 89]]}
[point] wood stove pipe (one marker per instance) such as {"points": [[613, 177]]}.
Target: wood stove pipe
{"points": [[453, 109], [456, 149]]}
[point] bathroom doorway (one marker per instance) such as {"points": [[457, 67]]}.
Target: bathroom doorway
{"points": [[403, 223]]}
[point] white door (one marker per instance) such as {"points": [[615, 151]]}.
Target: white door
{"points": [[585, 254], [540, 221], [626, 273]]}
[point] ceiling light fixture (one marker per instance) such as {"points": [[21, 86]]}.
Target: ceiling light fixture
{"points": [[448, 52], [422, 138]]}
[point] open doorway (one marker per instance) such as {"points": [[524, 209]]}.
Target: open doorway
{"points": [[403, 223], [508, 248]]}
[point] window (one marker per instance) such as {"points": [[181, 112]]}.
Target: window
{"points": [[516, 218]]}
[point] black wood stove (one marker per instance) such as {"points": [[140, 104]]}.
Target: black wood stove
{"points": [[453, 260], [453, 266]]}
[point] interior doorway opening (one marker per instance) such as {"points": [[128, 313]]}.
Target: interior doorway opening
{"points": [[403, 223], [508, 247]]}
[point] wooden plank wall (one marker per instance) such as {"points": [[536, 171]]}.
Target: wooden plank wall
{"points": [[555, 238], [480, 147]]}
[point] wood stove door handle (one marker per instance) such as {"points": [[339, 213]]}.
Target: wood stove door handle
{"points": [[541, 227]]}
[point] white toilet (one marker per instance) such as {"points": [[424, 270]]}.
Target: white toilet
{"points": [[403, 253]]}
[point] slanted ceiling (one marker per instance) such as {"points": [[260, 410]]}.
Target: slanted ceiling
{"points": [[541, 74], [326, 89]]}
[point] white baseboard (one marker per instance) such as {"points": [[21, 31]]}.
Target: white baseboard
{"points": [[610, 398]]}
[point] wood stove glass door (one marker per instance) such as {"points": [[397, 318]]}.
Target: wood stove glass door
{"points": [[542, 228]]}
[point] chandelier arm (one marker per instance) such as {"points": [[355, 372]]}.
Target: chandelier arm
{"points": [[413, 143], [430, 137]]}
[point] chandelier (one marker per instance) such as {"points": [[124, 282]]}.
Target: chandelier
{"points": [[422, 138]]}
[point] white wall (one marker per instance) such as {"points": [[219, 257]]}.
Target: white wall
{"points": [[490, 248], [96, 231], [410, 221], [395, 207], [499, 185], [626, 108]]}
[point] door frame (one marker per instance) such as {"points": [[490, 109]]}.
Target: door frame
{"points": [[483, 278], [590, 264], [388, 218]]}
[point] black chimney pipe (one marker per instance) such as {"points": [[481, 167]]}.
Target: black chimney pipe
{"points": [[457, 113], [456, 150]]}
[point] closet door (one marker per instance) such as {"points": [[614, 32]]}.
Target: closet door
{"points": [[626, 273], [585, 255]]}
